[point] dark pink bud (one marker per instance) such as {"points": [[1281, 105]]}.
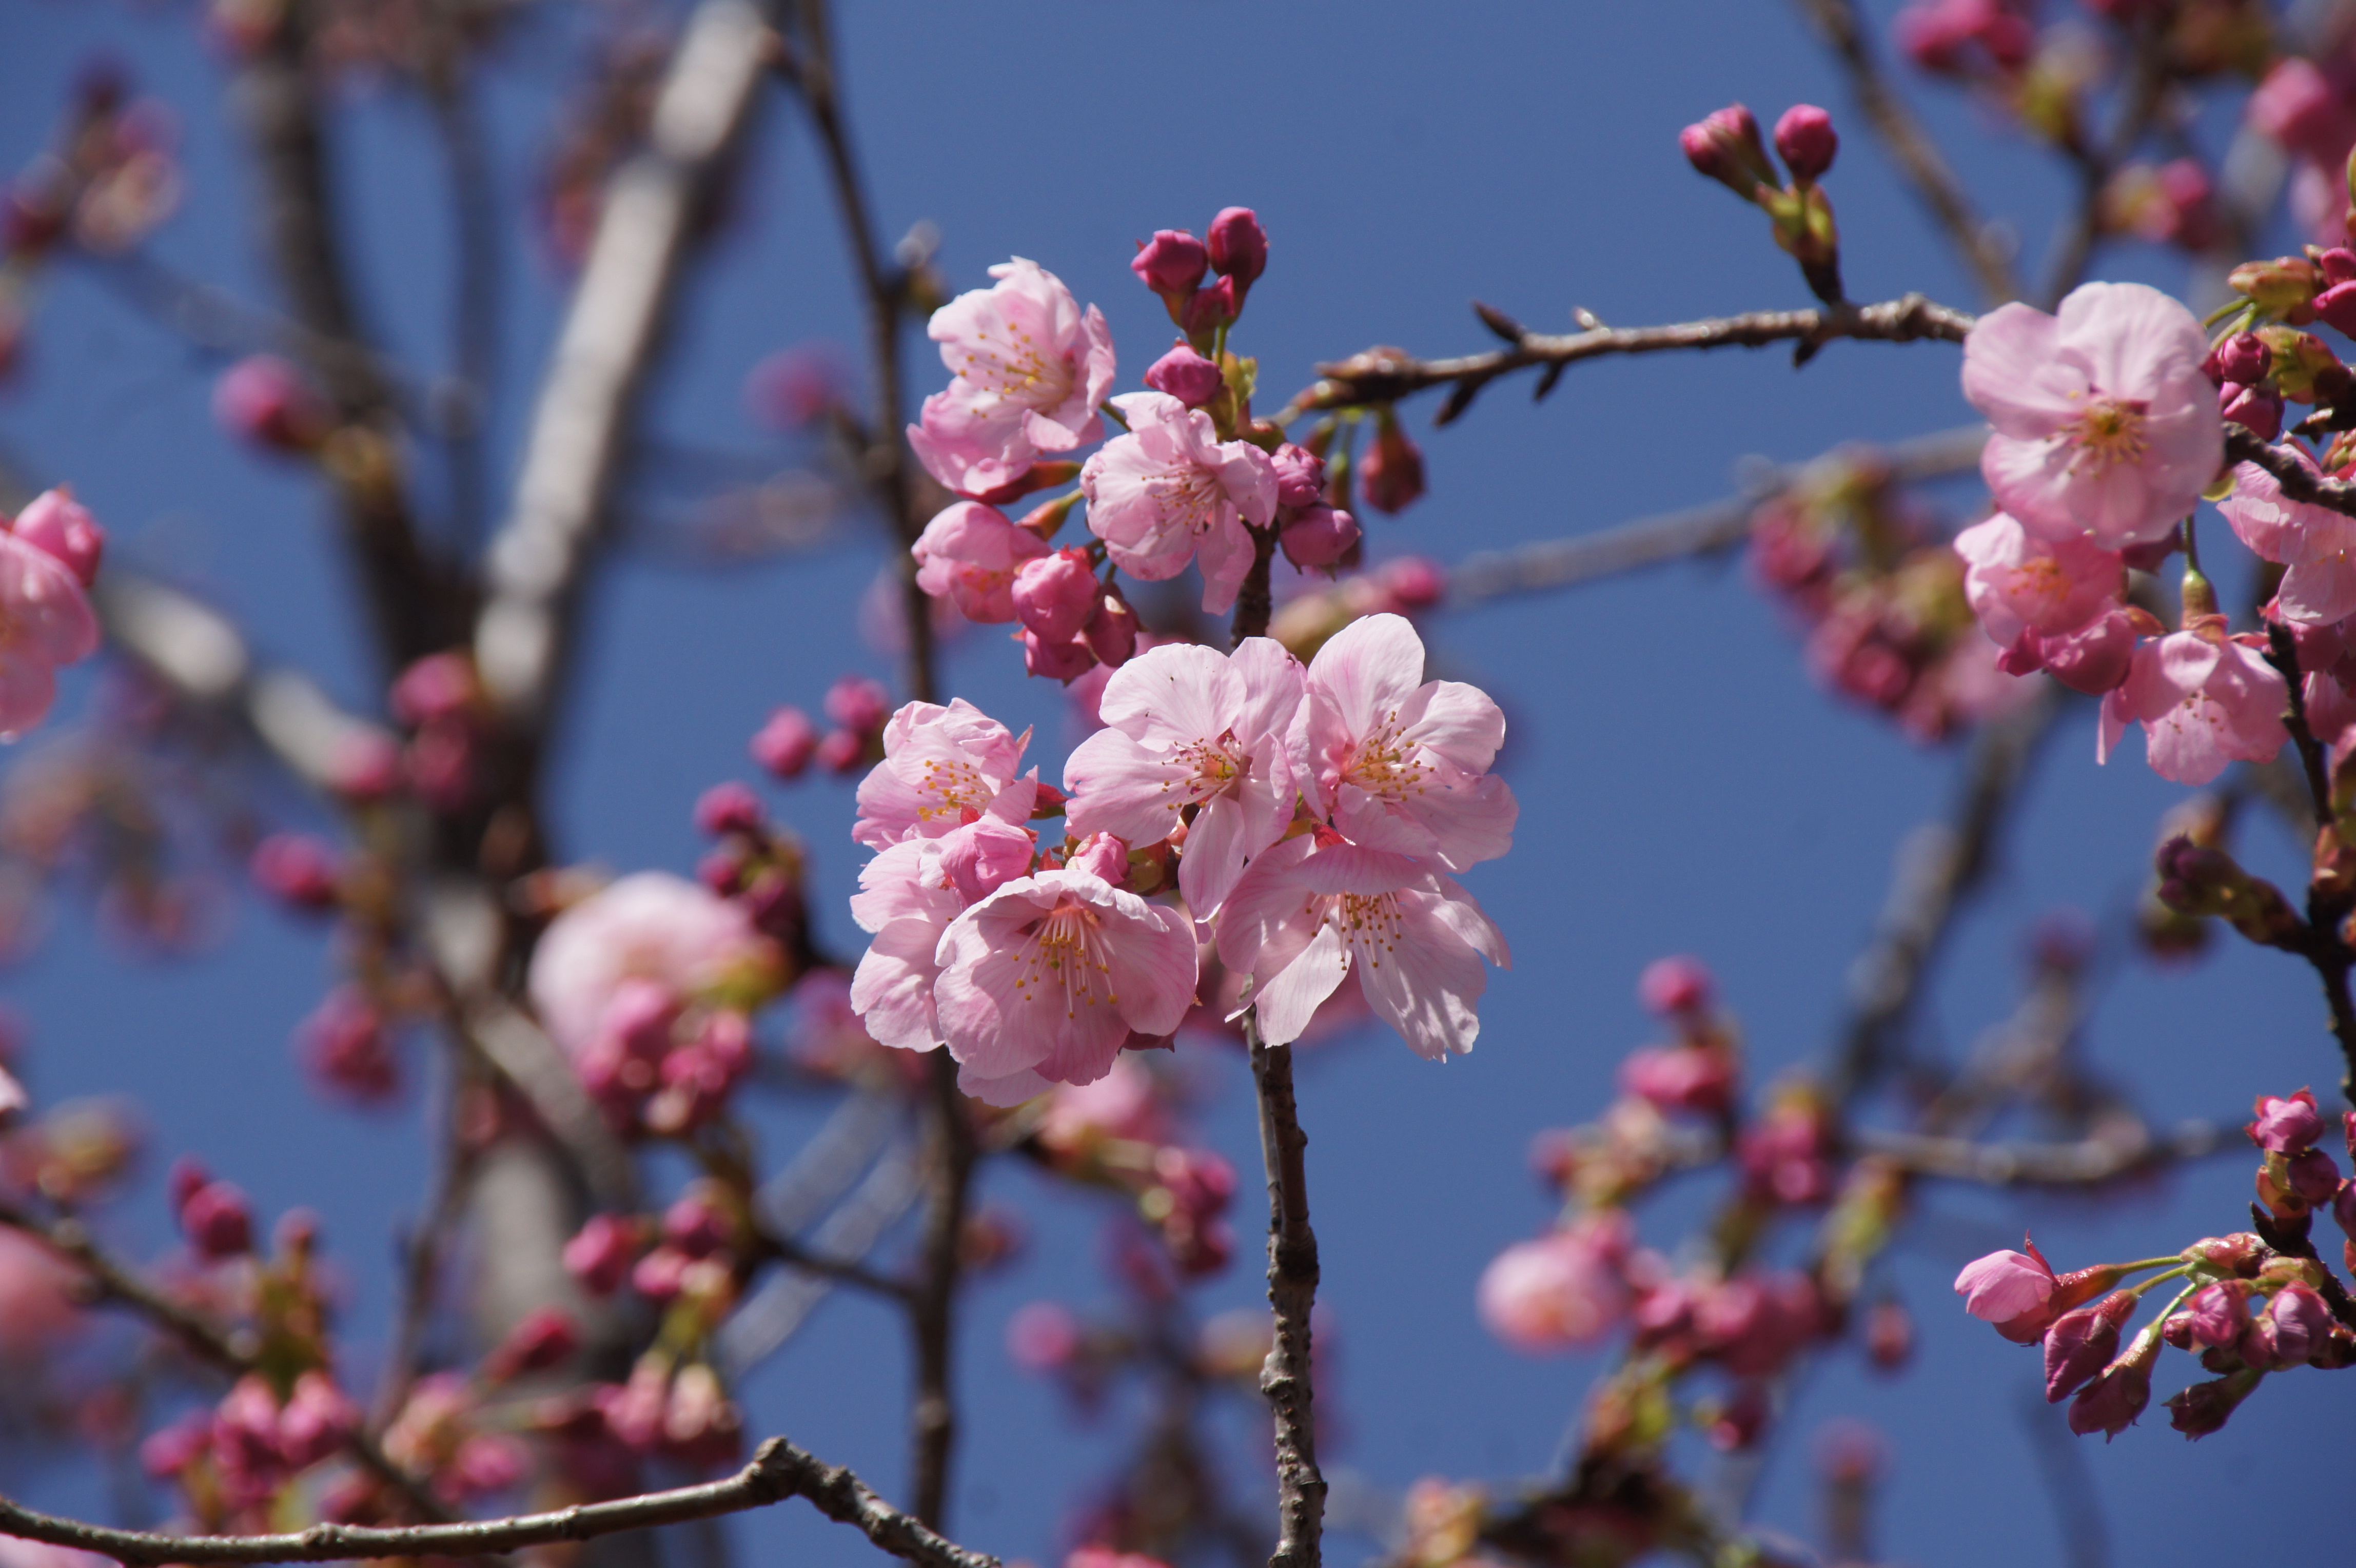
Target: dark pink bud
{"points": [[265, 400], [2258, 409], [2337, 306], [2287, 1126], [1187, 376], [295, 868], [984, 857], [218, 1221], [1300, 476], [660, 1273], [1238, 247], [187, 1177], [1055, 593], [62, 527], [1726, 146], [1411, 584], [1211, 308], [2313, 1177], [2339, 265], [1805, 138], [2080, 1343], [1172, 264], [696, 1228], [2220, 1312], [364, 764], [2205, 1408], [2245, 358], [858, 705], [1111, 631], [438, 686], [1671, 986], [843, 751], [601, 1254], [2094, 659], [1390, 476], [1889, 1336], [1043, 1336], [317, 1418], [1320, 536], [1680, 1078], [545, 1338], [348, 1051], [2110, 1404], [786, 743], [2343, 1208], [1064, 662], [2301, 1321], [728, 808]]}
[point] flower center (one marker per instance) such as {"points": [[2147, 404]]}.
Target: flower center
{"points": [[1065, 955], [1009, 365], [1214, 768], [954, 787], [1368, 923], [1384, 764], [1186, 496], [2110, 431]]}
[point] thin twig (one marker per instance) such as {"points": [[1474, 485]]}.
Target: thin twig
{"points": [[1254, 602], [1384, 375], [1287, 1378], [932, 1313], [778, 1471], [1984, 251], [2324, 943], [2087, 1162]]}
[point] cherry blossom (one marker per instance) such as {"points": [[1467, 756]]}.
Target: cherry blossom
{"points": [[2317, 543], [969, 554], [45, 621], [1398, 762], [1048, 978], [2105, 424], [1561, 1290], [1171, 489], [1314, 911], [1031, 368], [940, 763], [2004, 1286], [1191, 726], [2018, 581], [2204, 700], [649, 926]]}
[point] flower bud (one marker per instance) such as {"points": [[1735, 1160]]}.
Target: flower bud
{"points": [[1172, 264], [2277, 286], [2204, 1408], [2110, 1404], [1390, 475], [1187, 376], [62, 527], [546, 1337], [1210, 309], [1111, 631], [1300, 476], [2258, 409], [1043, 1336], [2080, 1343], [2287, 1126], [2236, 1254], [1673, 986], [218, 1221], [2305, 368], [295, 868], [1066, 661], [727, 808], [1725, 145], [317, 1418], [2301, 1321], [2343, 1208], [601, 1254], [2220, 1312], [1319, 537], [858, 705], [1055, 593], [785, 743], [1238, 248], [842, 752], [983, 856], [2313, 1177], [265, 400], [660, 1274], [2245, 358], [1807, 140], [1680, 1078]]}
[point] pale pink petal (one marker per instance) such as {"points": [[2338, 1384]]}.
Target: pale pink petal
{"points": [[892, 990], [2011, 373], [1289, 997], [2319, 592], [1426, 983]]}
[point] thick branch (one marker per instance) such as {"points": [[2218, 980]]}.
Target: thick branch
{"points": [[1384, 375], [1254, 602], [580, 427], [778, 1471], [1910, 148], [1287, 1378], [2299, 481]]}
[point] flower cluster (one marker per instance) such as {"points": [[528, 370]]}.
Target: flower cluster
{"points": [[49, 558], [1308, 817]]}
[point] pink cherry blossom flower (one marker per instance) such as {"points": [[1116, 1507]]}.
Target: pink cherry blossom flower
{"points": [[2317, 543], [56, 522], [970, 554], [905, 902], [2018, 581], [940, 763], [1398, 762], [1050, 976], [1556, 1293], [651, 927], [1171, 489], [2004, 1286], [1191, 726], [1314, 911], [2203, 701], [45, 621], [1031, 368], [2105, 424]]}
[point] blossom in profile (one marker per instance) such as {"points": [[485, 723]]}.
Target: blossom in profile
{"points": [[1315, 911], [650, 927], [2204, 700], [940, 764], [2005, 1285], [969, 554], [1558, 1293], [1188, 725], [1048, 978], [2317, 543], [1171, 490], [2105, 424], [46, 619], [1398, 762], [1030, 368]]}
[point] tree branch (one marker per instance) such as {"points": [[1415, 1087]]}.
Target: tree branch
{"points": [[2300, 482], [1287, 1378], [1385, 375], [777, 1472], [932, 1311], [2086, 1162], [1910, 148]]}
